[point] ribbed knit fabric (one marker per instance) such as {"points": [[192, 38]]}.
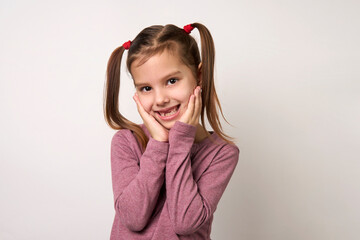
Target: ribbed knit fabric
{"points": [[170, 191]]}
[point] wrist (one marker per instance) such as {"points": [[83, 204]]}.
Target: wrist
{"points": [[161, 138], [184, 129]]}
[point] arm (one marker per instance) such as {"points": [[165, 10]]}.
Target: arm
{"points": [[136, 188], [192, 203]]}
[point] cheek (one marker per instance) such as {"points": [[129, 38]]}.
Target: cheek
{"points": [[180, 96], [184, 98], [146, 103], [183, 91]]}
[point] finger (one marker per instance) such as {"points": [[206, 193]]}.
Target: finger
{"points": [[189, 110], [191, 105], [138, 104], [140, 108], [200, 100], [197, 105]]}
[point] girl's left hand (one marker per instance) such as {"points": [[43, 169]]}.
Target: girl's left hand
{"points": [[193, 111]]}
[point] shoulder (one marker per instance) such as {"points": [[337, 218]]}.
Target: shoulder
{"points": [[223, 149], [124, 139], [122, 135], [215, 141], [230, 150]]}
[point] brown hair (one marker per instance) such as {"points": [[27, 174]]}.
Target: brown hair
{"points": [[153, 40]]}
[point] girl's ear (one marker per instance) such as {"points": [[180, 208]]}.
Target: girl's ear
{"points": [[200, 74]]}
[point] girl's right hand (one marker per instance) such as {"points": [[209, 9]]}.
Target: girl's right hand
{"points": [[157, 131]]}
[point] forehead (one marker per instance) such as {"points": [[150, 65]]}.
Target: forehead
{"points": [[157, 67]]}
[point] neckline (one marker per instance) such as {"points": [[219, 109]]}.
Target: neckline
{"points": [[195, 144]]}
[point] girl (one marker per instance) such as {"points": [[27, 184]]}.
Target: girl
{"points": [[169, 173]]}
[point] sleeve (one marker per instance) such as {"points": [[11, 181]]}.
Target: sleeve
{"points": [[136, 186], [191, 203]]}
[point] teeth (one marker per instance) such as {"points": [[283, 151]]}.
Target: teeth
{"points": [[169, 113]]}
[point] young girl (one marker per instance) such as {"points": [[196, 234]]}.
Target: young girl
{"points": [[168, 173]]}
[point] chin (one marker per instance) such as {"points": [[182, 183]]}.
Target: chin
{"points": [[168, 125]]}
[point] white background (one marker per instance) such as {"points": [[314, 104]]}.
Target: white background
{"points": [[287, 74]]}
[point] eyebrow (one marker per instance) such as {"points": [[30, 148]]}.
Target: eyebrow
{"points": [[165, 77]]}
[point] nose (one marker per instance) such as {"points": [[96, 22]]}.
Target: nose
{"points": [[161, 98]]}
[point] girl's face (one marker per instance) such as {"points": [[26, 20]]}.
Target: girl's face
{"points": [[164, 86]]}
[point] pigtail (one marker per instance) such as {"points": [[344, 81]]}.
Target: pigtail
{"points": [[111, 99], [210, 99]]}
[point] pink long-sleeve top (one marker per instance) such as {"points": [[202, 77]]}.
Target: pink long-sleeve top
{"points": [[171, 190]]}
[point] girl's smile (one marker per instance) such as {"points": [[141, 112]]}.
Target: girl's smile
{"points": [[169, 113], [164, 85]]}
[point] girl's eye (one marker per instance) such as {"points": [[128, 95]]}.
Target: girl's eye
{"points": [[145, 89], [172, 81]]}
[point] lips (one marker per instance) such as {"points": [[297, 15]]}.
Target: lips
{"points": [[168, 113]]}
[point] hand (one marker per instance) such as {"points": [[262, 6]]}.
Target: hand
{"points": [[157, 131], [193, 111]]}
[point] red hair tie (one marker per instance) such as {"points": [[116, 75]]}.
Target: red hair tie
{"points": [[188, 28], [127, 44]]}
